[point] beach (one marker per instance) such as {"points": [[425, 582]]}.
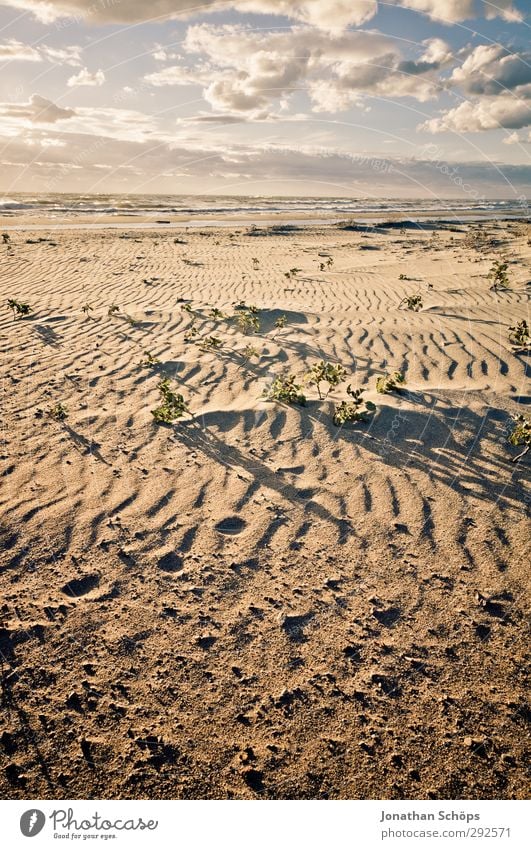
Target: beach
{"points": [[252, 602]]}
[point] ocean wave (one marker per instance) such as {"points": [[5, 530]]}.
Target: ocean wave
{"points": [[53, 205]]}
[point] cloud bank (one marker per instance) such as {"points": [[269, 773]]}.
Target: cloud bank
{"points": [[331, 15]]}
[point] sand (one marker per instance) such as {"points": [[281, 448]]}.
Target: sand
{"points": [[253, 602]]}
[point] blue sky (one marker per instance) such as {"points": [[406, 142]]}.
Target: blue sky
{"points": [[333, 97]]}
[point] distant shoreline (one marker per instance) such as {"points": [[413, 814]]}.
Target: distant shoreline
{"points": [[24, 222]]}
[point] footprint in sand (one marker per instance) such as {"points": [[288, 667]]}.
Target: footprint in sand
{"points": [[231, 525], [81, 586], [170, 562]]}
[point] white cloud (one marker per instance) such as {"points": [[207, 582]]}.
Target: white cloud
{"points": [[492, 69], [487, 113], [63, 56], [16, 51], [518, 138], [178, 75], [126, 125], [454, 11], [162, 54], [38, 110], [91, 163], [331, 15], [501, 81], [505, 9], [246, 71], [114, 123], [87, 78]]}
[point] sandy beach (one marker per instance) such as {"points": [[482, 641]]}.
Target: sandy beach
{"points": [[253, 602]]}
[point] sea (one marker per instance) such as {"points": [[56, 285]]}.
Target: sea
{"points": [[196, 207]]}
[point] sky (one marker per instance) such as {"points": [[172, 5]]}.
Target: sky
{"points": [[350, 98]]}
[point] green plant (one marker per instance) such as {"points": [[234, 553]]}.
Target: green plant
{"points": [[280, 323], [173, 405], [325, 372], [248, 353], [390, 383], [519, 337], [474, 239], [113, 309], [247, 321], [86, 308], [498, 273], [242, 306], [187, 308], [210, 343], [357, 410], [150, 361], [19, 308], [284, 388], [521, 435], [413, 302], [217, 314], [292, 273], [58, 412], [191, 333]]}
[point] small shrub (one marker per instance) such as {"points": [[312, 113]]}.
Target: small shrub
{"points": [[403, 277], [86, 308], [113, 309], [521, 435], [248, 353], [280, 324], [217, 314], [210, 343], [191, 333], [292, 273], [498, 273], [357, 410], [187, 308], [256, 263], [413, 302], [474, 239], [19, 308], [519, 337], [241, 306], [284, 388], [173, 405], [390, 383], [323, 372], [247, 321], [58, 412], [6, 238], [149, 361]]}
